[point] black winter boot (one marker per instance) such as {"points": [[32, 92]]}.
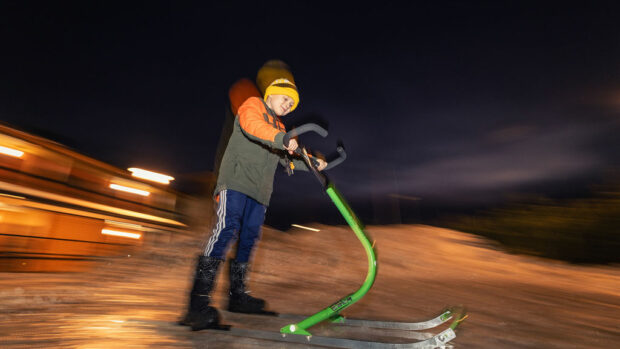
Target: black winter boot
{"points": [[239, 300], [199, 314]]}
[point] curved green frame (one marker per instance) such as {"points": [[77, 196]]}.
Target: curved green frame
{"points": [[332, 312]]}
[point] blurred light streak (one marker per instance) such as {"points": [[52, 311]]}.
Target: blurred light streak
{"points": [[78, 202], [10, 208], [405, 197], [129, 189], [120, 233], [151, 176], [12, 196], [303, 227], [11, 152], [124, 225]]}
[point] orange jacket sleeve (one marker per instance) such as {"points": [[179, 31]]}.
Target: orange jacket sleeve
{"points": [[254, 126]]}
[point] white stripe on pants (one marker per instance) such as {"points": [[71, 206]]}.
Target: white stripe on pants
{"points": [[221, 223]]}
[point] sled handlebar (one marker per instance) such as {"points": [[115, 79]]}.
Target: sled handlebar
{"points": [[303, 129], [342, 155], [337, 161]]}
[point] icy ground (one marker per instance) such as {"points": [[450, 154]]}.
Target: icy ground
{"points": [[133, 302]]}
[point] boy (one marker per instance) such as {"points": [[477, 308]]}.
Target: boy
{"points": [[242, 193]]}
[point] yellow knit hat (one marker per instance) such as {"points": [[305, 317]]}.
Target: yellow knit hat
{"points": [[283, 87], [275, 78]]}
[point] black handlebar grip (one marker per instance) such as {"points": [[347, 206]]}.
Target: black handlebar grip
{"points": [[339, 160], [306, 128]]}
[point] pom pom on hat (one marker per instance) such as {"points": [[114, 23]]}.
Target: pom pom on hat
{"points": [[275, 78]]}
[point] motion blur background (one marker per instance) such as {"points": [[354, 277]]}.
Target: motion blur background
{"points": [[496, 119], [483, 155]]}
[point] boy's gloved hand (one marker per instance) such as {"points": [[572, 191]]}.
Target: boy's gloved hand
{"points": [[292, 146]]}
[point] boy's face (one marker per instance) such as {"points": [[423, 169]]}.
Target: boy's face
{"points": [[280, 104]]}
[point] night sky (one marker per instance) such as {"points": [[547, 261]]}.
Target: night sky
{"points": [[438, 104]]}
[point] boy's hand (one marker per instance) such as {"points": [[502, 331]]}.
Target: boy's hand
{"points": [[322, 164], [292, 146]]}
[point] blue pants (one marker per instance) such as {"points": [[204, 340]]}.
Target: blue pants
{"points": [[238, 217]]}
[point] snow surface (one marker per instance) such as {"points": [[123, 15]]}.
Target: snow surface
{"points": [[133, 302]]}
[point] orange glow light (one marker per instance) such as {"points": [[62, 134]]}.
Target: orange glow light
{"points": [[11, 152], [151, 176], [129, 190], [120, 233]]}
